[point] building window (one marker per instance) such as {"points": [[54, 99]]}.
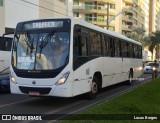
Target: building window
{"points": [[112, 28], [75, 2], [1, 2], [75, 14], [112, 6]]}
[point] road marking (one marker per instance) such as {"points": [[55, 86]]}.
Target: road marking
{"points": [[18, 102]]}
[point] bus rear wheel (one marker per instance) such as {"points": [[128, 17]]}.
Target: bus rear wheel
{"points": [[94, 89]]}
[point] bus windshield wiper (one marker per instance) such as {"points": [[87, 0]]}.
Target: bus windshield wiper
{"points": [[29, 43], [45, 41]]}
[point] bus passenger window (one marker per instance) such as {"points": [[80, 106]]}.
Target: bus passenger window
{"points": [[83, 46], [80, 46], [117, 48], [75, 46], [95, 44], [106, 46], [136, 51], [139, 52], [130, 51], [111, 49], [124, 49]]}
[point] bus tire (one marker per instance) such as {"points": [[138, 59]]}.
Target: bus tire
{"points": [[130, 78], [94, 89]]}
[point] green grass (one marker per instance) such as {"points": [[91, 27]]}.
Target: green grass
{"points": [[142, 100]]}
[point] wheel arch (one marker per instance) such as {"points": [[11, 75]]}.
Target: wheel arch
{"points": [[98, 75]]}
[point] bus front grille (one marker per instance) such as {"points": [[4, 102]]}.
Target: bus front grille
{"points": [[26, 90]]}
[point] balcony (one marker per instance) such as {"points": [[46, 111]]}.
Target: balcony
{"points": [[101, 1], [135, 17], [126, 27], [93, 9], [98, 21], [127, 18], [128, 9], [128, 1]]}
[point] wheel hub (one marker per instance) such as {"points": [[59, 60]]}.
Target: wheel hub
{"points": [[94, 87]]}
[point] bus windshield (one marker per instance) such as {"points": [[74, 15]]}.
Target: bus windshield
{"points": [[41, 50]]}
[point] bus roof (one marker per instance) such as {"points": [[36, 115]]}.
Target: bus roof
{"points": [[92, 26]]}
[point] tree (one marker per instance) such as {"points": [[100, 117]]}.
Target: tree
{"points": [[156, 41], [137, 34]]}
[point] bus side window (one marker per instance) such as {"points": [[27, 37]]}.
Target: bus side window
{"points": [[80, 46], [107, 46], [139, 52], [83, 46], [131, 51], [124, 46], [95, 44], [135, 51], [75, 46], [111, 48], [117, 48]]}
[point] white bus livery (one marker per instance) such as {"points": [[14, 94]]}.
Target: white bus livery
{"points": [[5, 52], [66, 57]]}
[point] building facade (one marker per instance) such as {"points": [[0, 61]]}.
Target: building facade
{"points": [[123, 15], [2, 16], [95, 12], [14, 11], [154, 11]]}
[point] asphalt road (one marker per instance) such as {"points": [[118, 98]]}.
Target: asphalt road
{"points": [[24, 105]]}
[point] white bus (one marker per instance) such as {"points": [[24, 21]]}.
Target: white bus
{"points": [[66, 57], [5, 51]]}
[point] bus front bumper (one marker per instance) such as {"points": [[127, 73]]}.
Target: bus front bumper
{"points": [[55, 90]]}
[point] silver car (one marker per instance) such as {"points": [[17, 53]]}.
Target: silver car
{"points": [[149, 67]]}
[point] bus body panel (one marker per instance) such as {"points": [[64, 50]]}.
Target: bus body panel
{"points": [[112, 69], [84, 75], [64, 90]]}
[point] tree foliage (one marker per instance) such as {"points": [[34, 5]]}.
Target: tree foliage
{"points": [[137, 34], [152, 40]]}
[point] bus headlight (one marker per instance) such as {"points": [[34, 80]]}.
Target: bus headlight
{"points": [[140, 68], [63, 78], [13, 80]]}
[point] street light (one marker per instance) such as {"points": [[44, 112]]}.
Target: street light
{"points": [[113, 18]]}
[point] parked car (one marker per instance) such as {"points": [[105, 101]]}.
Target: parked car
{"points": [[149, 67], [4, 80]]}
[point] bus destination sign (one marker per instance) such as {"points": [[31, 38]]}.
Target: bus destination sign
{"points": [[44, 24]]}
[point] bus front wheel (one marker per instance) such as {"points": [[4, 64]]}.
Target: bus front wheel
{"points": [[94, 89]]}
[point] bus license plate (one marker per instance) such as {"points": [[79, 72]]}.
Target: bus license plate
{"points": [[33, 93]]}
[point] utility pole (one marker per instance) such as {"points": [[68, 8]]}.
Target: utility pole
{"points": [[107, 16]]}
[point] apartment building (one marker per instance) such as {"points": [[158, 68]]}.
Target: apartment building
{"points": [[14, 11], [154, 10], [144, 4], [157, 26], [127, 13], [95, 12]]}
